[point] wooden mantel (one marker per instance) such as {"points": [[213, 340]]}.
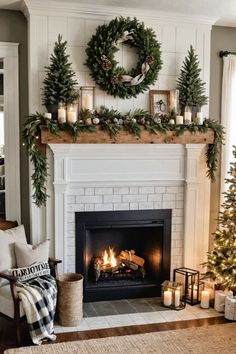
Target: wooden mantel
{"points": [[102, 137]]}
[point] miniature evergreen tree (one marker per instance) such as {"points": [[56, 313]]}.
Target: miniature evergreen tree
{"points": [[191, 87], [221, 264], [59, 83]]}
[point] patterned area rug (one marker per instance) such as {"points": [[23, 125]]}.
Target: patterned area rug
{"points": [[214, 339]]}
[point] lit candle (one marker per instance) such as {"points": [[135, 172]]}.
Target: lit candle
{"points": [[48, 115], [177, 297], [72, 116], [179, 120], [193, 289], [87, 102], [205, 298], [172, 121], [61, 115], [167, 297]]}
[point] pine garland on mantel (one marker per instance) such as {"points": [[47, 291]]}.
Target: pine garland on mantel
{"points": [[113, 122]]}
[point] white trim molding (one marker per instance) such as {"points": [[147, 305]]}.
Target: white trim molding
{"points": [[9, 54]]}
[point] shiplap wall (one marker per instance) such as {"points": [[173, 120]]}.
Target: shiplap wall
{"points": [[77, 24], [175, 39]]}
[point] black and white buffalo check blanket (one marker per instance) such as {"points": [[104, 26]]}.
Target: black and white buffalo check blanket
{"points": [[39, 297]]}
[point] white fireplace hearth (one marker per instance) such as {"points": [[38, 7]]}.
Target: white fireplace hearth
{"points": [[105, 177]]}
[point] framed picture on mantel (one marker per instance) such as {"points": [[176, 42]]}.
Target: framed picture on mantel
{"points": [[159, 101]]}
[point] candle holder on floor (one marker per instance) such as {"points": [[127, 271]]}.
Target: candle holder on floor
{"points": [[171, 295], [192, 286]]}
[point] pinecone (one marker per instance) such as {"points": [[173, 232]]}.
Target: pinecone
{"points": [[116, 79], [106, 64], [149, 59]]}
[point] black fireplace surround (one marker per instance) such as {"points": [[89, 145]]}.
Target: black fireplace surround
{"points": [[148, 232]]}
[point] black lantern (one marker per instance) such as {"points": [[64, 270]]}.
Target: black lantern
{"points": [[171, 295], [189, 278]]}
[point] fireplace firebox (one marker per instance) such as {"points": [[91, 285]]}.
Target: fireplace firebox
{"points": [[142, 233]]}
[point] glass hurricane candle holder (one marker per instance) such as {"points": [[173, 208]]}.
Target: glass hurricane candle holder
{"points": [[191, 284], [61, 114], [87, 97], [171, 295]]}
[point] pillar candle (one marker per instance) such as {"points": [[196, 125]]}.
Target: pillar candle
{"points": [[177, 297], [87, 102], [172, 121], [205, 298], [187, 117], [167, 297], [48, 115], [179, 120], [199, 118], [193, 288], [61, 115], [72, 116]]}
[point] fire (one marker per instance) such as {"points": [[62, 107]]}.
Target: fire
{"points": [[109, 257]]}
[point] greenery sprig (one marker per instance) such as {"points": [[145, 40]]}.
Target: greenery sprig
{"points": [[113, 122]]}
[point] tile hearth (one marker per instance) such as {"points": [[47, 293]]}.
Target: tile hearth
{"points": [[133, 312]]}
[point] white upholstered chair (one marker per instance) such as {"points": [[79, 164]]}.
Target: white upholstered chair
{"points": [[10, 304]]}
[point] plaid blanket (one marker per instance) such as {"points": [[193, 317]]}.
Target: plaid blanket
{"points": [[39, 296]]}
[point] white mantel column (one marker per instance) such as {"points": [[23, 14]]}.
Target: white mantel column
{"points": [[196, 209]]}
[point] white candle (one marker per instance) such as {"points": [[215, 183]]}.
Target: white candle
{"points": [[193, 288], [179, 120], [87, 102], [61, 115], [187, 117], [72, 116], [199, 118], [167, 297], [172, 121], [177, 297], [205, 298], [48, 115]]}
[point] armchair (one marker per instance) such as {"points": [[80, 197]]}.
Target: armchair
{"points": [[10, 305]]}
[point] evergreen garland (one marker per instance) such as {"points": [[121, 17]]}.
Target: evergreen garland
{"points": [[113, 122], [221, 264], [104, 68], [191, 87], [59, 83]]}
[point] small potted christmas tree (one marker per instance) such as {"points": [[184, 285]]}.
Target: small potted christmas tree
{"points": [[221, 263], [59, 83], [191, 87]]}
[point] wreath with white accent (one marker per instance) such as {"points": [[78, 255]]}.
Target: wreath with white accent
{"points": [[112, 78]]}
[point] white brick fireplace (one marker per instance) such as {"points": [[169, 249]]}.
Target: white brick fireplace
{"points": [[132, 177], [110, 177]]}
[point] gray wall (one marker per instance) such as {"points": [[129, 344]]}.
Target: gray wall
{"points": [[13, 28], [222, 38]]}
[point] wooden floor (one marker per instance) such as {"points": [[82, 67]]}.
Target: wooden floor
{"points": [[7, 333]]}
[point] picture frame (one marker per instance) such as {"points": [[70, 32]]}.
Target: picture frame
{"points": [[159, 102]]}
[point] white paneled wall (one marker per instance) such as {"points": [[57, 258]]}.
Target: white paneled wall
{"points": [[175, 38]]}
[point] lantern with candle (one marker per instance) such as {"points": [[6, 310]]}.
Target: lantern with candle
{"points": [[171, 295], [87, 97], [192, 286], [72, 112], [174, 102]]}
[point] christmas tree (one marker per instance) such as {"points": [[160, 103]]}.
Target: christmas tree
{"points": [[59, 84], [221, 264], [191, 87]]}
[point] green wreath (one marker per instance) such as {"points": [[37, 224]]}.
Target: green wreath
{"points": [[104, 68]]}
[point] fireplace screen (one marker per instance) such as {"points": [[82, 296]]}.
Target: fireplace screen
{"points": [[123, 254]]}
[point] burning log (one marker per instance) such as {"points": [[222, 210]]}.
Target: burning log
{"points": [[131, 256], [130, 264]]}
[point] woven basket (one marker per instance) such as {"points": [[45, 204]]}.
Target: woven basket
{"points": [[70, 299]]}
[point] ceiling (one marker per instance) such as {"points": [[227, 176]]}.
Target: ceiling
{"points": [[224, 10]]}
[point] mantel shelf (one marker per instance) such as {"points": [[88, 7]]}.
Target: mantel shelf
{"points": [[124, 137]]}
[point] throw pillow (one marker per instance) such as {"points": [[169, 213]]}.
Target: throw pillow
{"points": [[27, 254], [7, 254], [33, 271]]}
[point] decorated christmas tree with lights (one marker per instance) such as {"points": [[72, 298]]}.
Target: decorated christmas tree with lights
{"points": [[221, 264]]}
